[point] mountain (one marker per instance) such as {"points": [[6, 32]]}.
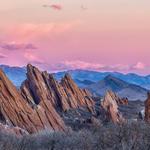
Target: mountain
{"points": [[93, 76], [16, 74], [83, 75], [143, 81], [82, 78], [84, 83], [122, 88]]}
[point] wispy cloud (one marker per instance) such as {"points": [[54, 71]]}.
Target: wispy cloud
{"points": [[80, 65], [33, 59], [139, 66], [54, 6], [77, 64], [16, 46], [30, 31], [2, 56]]}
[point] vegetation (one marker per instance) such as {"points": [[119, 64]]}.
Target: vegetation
{"points": [[130, 136]]}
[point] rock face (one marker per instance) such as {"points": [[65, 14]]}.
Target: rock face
{"points": [[42, 87], [110, 106], [76, 97], [147, 108], [16, 111], [120, 101]]}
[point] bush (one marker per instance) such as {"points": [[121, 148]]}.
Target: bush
{"points": [[129, 136]]}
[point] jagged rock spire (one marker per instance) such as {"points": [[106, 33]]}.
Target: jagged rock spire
{"points": [[41, 86], [147, 108], [110, 106], [15, 110]]}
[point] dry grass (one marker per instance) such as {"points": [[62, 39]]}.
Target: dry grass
{"points": [[130, 136]]}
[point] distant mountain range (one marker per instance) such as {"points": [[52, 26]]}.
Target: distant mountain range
{"points": [[16, 74], [122, 88], [127, 85], [93, 76]]}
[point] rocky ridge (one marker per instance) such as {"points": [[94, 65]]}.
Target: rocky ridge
{"points": [[41, 86], [16, 111]]}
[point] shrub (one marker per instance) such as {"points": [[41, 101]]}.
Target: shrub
{"points": [[129, 136]]}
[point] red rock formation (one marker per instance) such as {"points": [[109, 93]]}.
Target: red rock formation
{"points": [[147, 108], [41, 86], [76, 96], [120, 101], [110, 106], [15, 111]]}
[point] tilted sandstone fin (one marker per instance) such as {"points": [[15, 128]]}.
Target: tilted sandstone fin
{"points": [[147, 108], [41, 86], [15, 111], [110, 106], [77, 97], [120, 101]]}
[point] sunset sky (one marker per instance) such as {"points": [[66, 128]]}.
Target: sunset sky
{"points": [[101, 35]]}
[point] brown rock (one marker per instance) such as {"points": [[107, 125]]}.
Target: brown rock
{"points": [[76, 96], [123, 101], [15, 111], [147, 108], [41, 86], [120, 101], [110, 106]]}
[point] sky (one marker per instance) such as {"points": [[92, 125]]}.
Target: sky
{"points": [[101, 35]]}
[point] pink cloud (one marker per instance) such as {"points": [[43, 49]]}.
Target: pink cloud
{"points": [[81, 65], [94, 66], [77, 64], [54, 6], [2, 56], [31, 58], [29, 31], [16, 46], [139, 66]]}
